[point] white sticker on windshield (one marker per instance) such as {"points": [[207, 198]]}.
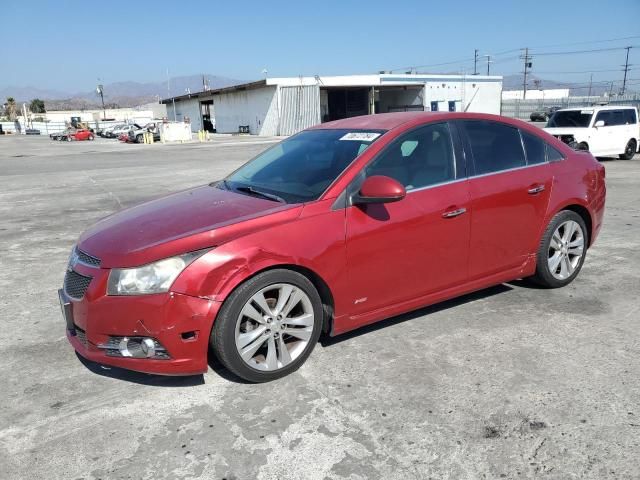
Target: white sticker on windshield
{"points": [[361, 136], [586, 112]]}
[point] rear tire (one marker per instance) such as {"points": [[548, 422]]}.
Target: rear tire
{"points": [[140, 139], [562, 250], [268, 326], [584, 146], [629, 150]]}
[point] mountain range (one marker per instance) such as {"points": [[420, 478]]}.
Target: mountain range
{"points": [[122, 94]]}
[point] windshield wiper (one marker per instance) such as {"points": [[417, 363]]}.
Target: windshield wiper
{"points": [[268, 196]]}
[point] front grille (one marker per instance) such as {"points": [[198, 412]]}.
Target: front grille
{"points": [[75, 285], [82, 335], [88, 259]]}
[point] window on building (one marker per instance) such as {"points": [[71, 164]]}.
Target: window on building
{"points": [[534, 148], [495, 146], [452, 106], [420, 158], [434, 106]]}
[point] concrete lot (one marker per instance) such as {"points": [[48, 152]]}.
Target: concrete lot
{"points": [[510, 382]]}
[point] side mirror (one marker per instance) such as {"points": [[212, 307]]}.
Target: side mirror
{"points": [[379, 189], [599, 123]]}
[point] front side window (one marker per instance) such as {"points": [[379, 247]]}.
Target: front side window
{"points": [[534, 147], [570, 118], [421, 158], [302, 167], [495, 146], [611, 118]]}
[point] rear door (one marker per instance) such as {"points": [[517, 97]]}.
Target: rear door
{"points": [[509, 195], [400, 251]]}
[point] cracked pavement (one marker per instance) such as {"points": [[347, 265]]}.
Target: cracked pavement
{"points": [[508, 382]]}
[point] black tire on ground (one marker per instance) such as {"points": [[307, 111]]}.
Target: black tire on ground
{"points": [[543, 275], [223, 340], [140, 138], [583, 146], [629, 150]]}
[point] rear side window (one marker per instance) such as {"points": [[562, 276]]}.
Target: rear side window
{"points": [[534, 147], [553, 155], [495, 146], [630, 116]]}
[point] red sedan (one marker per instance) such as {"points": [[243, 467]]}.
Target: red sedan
{"points": [[339, 226], [82, 134]]}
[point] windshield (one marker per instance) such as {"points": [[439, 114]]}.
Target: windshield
{"points": [[300, 168], [571, 118]]}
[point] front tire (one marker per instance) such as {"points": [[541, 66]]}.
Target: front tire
{"points": [[268, 326], [562, 250], [629, 150]]}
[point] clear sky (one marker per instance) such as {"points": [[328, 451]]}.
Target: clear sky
{"points": [[67, 45]]}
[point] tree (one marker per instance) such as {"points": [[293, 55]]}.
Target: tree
{"points": [[37, 106], [10, 109]]}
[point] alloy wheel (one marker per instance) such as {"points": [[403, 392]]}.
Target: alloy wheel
{"points": [[274, 327], [566, 249]]}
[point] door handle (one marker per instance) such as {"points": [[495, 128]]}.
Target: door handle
{"points": [[536, 189], [454, 213]]}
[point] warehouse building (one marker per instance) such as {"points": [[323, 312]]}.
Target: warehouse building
{"points": [[284, 106]]}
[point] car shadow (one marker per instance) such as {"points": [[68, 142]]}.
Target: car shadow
{"points": [[327, 341], [140, 378]]}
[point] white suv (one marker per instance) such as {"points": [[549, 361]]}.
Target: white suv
{"points": [[604, 131]]}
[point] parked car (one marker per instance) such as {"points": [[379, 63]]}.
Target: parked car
{"points": [[137, 136], [122, 129], [602, 130], [82, 134], [62, 135], [106, 131], [544, 114], [342, 225]]}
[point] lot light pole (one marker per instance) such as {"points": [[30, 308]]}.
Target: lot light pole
{"points": [[100, 91]]}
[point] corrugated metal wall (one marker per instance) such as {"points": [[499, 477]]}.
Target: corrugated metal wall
{"points": [[299, 108]]}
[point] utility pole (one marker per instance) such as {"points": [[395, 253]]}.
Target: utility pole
{"points": [[527, 65], [488, 62], [590, 83], [626, 69], [475, 61], [173, 99]]}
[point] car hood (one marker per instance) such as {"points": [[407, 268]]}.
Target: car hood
{"points": [[564, 130], [186, 221]]}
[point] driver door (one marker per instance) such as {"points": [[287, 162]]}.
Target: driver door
{"points": [[399, 251]]}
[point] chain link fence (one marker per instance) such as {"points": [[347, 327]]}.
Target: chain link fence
{"points": [[522, 109]]}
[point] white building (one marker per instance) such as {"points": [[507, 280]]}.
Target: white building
{"points": [[283, 106], [551, 93], [143, 113]]}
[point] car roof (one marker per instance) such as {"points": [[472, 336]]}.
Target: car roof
{"points": [[389, 121], [600, 107]]}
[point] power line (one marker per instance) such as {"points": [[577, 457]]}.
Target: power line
{"points": [[588, 42], [575, 52]]}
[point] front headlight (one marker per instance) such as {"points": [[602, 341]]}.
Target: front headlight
{"points": [[156, 277]]}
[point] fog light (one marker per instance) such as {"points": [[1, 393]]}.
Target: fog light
{"points": [[134, 347]]}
